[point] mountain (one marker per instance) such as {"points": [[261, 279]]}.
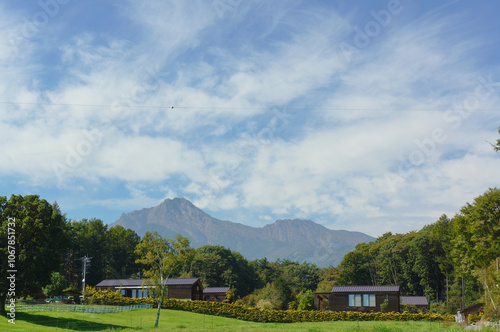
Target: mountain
{"points": [[300, 240]]}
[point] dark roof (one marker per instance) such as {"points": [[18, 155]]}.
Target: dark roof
{"points": [[181, 281], [215, 290], [360, 289], [138, 282], [120, 282], [473, 308], [414, 300]]}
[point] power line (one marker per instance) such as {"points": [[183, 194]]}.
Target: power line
{"points": [[238, 108]]}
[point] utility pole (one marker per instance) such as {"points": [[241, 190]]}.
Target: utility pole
{"points": [[85, 261]]}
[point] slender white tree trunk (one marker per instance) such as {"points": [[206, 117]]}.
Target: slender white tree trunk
{"points": [[158, 312], [162, 291]]}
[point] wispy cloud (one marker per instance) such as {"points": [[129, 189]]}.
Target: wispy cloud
{"points": [[261, 110]]}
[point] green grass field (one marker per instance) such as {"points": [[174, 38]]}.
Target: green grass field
{"points": [[171, 320]]}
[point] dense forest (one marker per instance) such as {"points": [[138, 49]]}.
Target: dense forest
{"points": [[49, 252], [439, 261]]}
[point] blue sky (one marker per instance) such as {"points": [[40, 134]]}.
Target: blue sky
{"points": [[371, 116]]}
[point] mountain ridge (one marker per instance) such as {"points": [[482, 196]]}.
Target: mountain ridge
{"points": [[294, 239]]}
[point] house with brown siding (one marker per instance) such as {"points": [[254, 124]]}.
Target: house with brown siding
{"points": [[418, 301], [177, 288], [463, 314], [217, 294], [127, 287], [185, 289], [358, 298]]}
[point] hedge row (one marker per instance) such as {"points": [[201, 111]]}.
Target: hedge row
{"points": [[292, 316], [262, 315], [108, 297]]}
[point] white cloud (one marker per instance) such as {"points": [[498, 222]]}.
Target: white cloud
{"points": [[220, 143], [138, 200]]}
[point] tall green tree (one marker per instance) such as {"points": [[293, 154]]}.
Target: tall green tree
{"points": [[306, 300], [163, 258], [353, 268], [121, 244], [440, 237], [275, 295], [39, 243], [219, 266], [301, 277], [57, 284], [112, 252], [477, 229], [426, 265], [90, 238], [266, 271], [477, 243], [328, 278]]}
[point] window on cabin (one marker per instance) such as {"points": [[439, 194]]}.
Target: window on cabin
{"points": [[369, 300], [354, 300], [362, 300]]}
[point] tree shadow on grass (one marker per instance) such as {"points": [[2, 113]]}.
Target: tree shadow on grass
{"points": [[66, 323]]}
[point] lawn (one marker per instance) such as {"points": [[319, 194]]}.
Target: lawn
{"points": [[171, 320]]}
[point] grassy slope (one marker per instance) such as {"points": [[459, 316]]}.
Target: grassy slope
{"points": [[143, 320]]}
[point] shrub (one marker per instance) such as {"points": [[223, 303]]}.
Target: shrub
{"points": [[264, 304], [474, 318], [229, 296], [306, 301], [412, 309], [384, 305], [250, 300], [109, 297], [441, 308]]}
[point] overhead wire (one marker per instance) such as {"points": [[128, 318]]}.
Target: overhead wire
{"points": [[236, 108]]}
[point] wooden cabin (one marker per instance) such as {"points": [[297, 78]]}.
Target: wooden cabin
{"points": [[217, 294], [178, 288], [418, 301], [463, 314], [185, 289], [358, 298]]}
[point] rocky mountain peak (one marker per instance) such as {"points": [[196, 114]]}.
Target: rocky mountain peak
{"points": [[293, 239]]}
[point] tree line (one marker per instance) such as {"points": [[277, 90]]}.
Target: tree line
{"points": [[454, 261], [49, 252]]}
